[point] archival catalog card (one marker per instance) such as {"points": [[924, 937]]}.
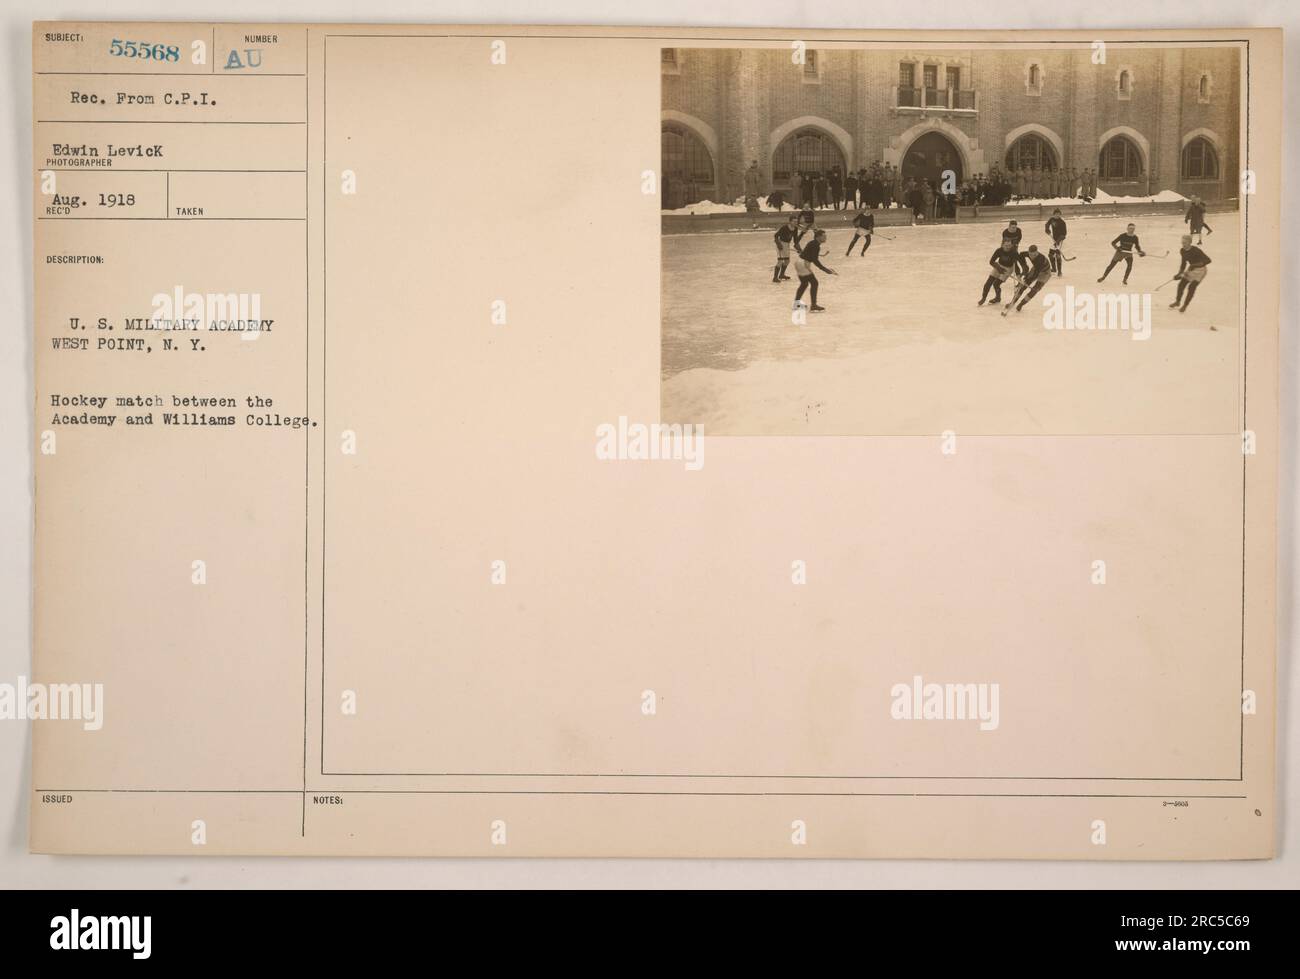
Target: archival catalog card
{"points": [[557, 441]]}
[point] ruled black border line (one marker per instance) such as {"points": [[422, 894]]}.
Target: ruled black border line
{"points": [[169, 122], [306, 450], [1245, 373], [119, 170], [324, 399], [52, 218], [180, 74], [901, 795]]}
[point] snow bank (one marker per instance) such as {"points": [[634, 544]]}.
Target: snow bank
{"points": [[708, 207], [1164, 197]]}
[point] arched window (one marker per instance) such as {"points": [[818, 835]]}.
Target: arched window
{"points": [[1204, 86], [1119, 160], [1125, 83], [1033, 78], [808, 151], [1029, 151], [1200, 162], [687, 168]]}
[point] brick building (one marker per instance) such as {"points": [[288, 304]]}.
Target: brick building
{"points": [[1147, 120]]}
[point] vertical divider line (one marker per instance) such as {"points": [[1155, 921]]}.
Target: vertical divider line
{"points": [[306, 452]]}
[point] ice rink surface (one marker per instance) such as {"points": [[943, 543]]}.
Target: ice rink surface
{"points": [[902, 348]]}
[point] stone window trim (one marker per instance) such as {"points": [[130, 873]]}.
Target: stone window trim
{"points": [[1123, 93], [810, 72], [1204, 87], [1034, 77]]}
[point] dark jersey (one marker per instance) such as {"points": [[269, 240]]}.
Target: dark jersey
{"points": [[1037, 265], [784, 234], [1126, 243], [1012, 235], [1007, 260], [811, 253], [1193, 258], [1195, 215], [865, 222], [1056, 228]]}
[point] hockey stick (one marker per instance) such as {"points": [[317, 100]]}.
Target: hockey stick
{"points": [[1163, 284], [1163, 254]]}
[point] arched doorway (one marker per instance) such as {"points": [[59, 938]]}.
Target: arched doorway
{"points": [[686, 167], [1031, 152], [806, 151], [929, 156]]}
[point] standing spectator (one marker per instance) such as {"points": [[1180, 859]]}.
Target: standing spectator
{"points": [[915, 200], [1195, 218], [752, 182]]}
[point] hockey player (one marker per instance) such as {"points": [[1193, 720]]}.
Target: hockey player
{"points": [[863, 225], [807, 220], [810, 258], [1013, 234], [1004, 262], [1055, 229], [1195, 218], [783, 237], [1038, 272], [1125, 245], [1191, 272]]}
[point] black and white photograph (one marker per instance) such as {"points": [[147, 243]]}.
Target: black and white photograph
{"points": [[1003, 239]]}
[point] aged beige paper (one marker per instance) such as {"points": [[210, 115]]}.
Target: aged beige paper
{"points": [[443, 447]]}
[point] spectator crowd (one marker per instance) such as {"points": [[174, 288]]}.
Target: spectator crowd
{"points": [[885, 186]]}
